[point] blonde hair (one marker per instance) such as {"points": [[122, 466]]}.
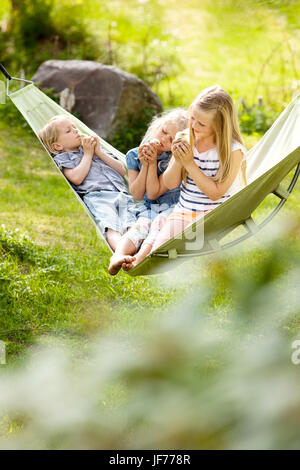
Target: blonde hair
{"points": [[225, 124], [50, 133], [178, 117]]}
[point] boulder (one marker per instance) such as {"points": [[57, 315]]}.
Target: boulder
{"points": [[105, 97]]}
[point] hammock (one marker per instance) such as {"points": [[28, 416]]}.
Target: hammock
{"points": [[268, 162]]}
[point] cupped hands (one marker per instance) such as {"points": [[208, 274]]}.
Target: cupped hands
{"points": [[182, 152], [89, 143]]}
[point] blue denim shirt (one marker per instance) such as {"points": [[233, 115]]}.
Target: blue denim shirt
{"points": [[171, 196]]}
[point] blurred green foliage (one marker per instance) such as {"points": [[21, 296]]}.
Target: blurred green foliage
{"points": [[175, 49], [38, 30], [256, 119], [130, 135], [31, 22], [191, 379]]}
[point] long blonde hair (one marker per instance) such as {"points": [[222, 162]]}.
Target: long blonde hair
{"points": [[178, 117], [225, 123]]}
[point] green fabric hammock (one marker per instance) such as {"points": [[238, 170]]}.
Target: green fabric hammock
{"points": [[277, 153]]}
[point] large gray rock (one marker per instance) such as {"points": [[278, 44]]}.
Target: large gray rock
{"points": [[105, 97]]}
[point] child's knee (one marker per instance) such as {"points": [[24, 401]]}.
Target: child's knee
{"points": [[138, 232]]}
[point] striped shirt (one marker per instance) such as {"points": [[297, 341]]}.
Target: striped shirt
{"points": [[191, 197]]}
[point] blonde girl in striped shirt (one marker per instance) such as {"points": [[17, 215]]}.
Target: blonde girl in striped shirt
{"points": [[210, 165]]}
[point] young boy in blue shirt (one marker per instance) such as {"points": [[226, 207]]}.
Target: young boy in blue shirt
{"points": [[95, 175]]}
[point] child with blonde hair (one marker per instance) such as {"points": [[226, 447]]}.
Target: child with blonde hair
{"points": [[95, 175], [146, 165], [208, 163]]}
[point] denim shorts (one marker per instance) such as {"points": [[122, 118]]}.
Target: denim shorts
{"points": [[111, 209], [151, 211], [164, 204]]}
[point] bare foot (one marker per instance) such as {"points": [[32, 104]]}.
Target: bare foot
{"points": [[127, 265], [117, 262]]}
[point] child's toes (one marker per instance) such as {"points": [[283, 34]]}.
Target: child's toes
{"points": [[127, 266]]}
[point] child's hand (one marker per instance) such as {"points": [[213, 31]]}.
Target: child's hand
{"points": [[142, 157], [98, 151], [97, 146], [89, 144], [175, 144], [182, 152], [150, 151], [174, 150]]}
